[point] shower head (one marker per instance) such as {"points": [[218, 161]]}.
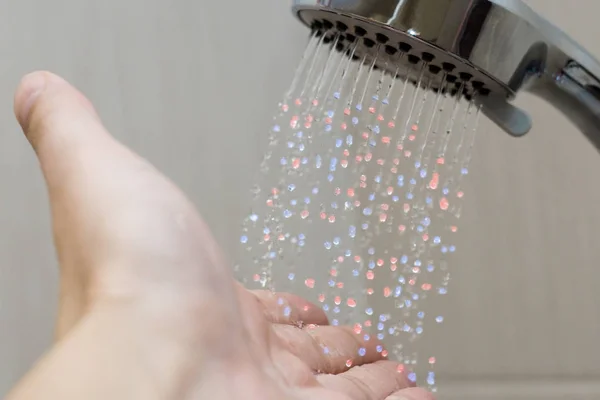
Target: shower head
{"points": [[491, 49]]}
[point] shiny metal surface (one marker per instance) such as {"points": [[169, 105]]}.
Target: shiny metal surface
{"points": [[503, 39]]}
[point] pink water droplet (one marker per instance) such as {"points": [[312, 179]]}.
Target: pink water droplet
{"points": [[387, 291], [370, 275], [351, 303], [426, 286], [310, 283], [435, 180], [372, 110], [315, 102], [256, 277], [344, 126], [346, 111], [339, 285], [444, 203], [337, 300], [414, 128], [331, 219], [406, 207], [380, 262], [440, 161], [411, 137], [425, 237], [380, 117], [383, 217], [385, 140], [350, 192], [431, 360], [285, 107], [357, 328], [298, 102], [401, 228], [304, 214], [391, 124], [453, 228], [370, 291], [349, 363], [407, 153], [296, 163], [321, 298], [460, 195], [368, 323]]}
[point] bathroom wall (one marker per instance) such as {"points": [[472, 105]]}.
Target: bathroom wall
{"points": [[190, 85]]}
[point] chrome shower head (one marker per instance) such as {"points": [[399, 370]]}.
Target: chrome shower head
{"points": [[492, 49]]}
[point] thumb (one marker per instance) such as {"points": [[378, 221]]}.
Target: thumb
{"points": [[122, 230]]}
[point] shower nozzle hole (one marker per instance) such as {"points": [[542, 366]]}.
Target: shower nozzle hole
{"points": [[477, 84], [465, 76], [413, 59], [368, 42], [434, 69], [360, 31], [327, 24], [381, 38], [340, 26], [390, 50], [427, 57], [484, 91], [350, 37], [404, 47], [451, 78], [448, 67]]}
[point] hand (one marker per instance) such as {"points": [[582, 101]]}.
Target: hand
{"points": [[148, 308]]}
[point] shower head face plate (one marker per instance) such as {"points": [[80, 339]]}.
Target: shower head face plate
{"points": [[402, 54]]}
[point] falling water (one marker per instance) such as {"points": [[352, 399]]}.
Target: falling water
{"points": [[359, 194]]}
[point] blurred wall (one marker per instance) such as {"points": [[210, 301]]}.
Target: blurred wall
{"points": [[190, 85]]}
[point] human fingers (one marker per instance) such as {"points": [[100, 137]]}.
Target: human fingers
{"points": [[287, 308], [374, 381], [329, 349]]}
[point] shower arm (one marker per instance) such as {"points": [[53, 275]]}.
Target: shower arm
{"points": [[567, 78], [504, 39]]}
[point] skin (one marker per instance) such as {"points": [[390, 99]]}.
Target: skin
{"points": [[148, 307]]}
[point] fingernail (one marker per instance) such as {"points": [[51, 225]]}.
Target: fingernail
{"points": [[29, 90]]}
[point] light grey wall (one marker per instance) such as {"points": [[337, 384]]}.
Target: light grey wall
{"points": [[190, 86]]}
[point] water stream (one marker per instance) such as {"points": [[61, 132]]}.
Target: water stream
{"points": [[358, 198]]}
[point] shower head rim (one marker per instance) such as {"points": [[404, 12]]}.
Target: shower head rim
{"points": [[508, 94]]}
